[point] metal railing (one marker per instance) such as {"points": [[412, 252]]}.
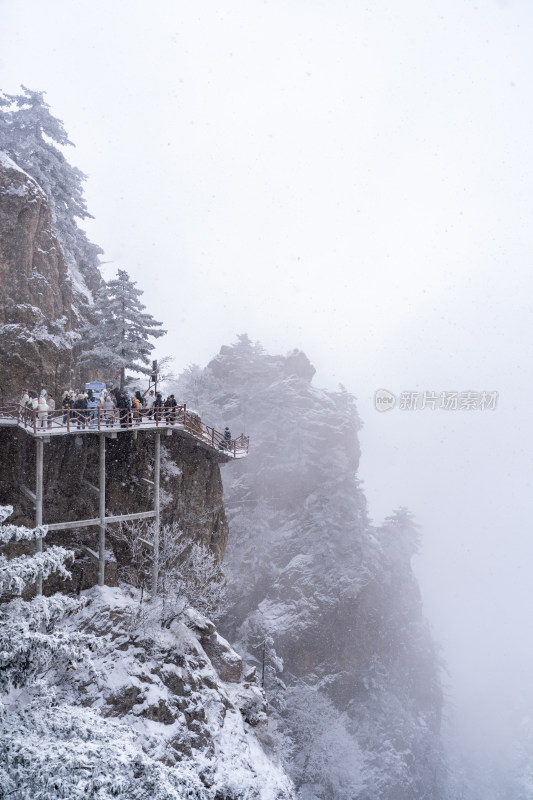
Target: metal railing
{"points": [[73, 420]]}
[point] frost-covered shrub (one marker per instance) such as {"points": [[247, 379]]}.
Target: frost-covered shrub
{"points": [[29, 641], [53, 751], [189, 574]]}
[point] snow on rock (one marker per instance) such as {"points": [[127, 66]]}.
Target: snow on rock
{"points": [[199, 621], [323, 602], [227, 663], [176, 700], [7, 163], [36, 317]]}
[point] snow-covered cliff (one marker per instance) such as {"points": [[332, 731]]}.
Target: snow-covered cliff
{"points": [[143, 710], [181, 692], [36, 320], [323, 601], [163, 712], [159, 705]]}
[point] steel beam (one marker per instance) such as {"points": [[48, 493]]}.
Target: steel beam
{"points": [[101, 487], [157, 474], [87, 523], [39, 501], [29, 494]]}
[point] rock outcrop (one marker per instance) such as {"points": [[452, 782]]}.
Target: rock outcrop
{"points": [[36, 290], [162, 683], [323, 602]]}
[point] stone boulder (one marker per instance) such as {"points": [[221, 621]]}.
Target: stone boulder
{"points": [[226, 662]]}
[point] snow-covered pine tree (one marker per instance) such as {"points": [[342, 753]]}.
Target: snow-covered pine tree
{"points": [[29, 134], [118, 336]]}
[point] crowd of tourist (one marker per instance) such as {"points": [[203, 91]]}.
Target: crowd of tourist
{"points": [[83, 409], [88, 409]]}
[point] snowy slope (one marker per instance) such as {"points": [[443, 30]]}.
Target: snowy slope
{"points": [[162, 684], [148, 713]]}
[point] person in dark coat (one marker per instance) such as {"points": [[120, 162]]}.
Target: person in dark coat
{"points": [[170, 406], [225, 443], [123, 409], [158, 406], [227, 437], [140, 406], [66, 404], [80, 406]]}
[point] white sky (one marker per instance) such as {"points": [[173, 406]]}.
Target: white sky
{"points": [[354, 179]]}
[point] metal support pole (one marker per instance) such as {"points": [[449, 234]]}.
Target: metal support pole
{"points": [[101, 487], [39, 502], [157, 472]]}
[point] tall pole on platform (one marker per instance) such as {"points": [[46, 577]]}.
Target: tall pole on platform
{"points": [[101, 487], [39, 502], [157, 474]]}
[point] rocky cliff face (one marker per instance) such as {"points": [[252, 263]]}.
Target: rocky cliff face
{"points": [[35, 289], [321, 599], [178, 685], [191, 490], [183, 692]]}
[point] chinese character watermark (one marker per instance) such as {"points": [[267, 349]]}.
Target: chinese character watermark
{"points": [[408, 401], [445, 401]]}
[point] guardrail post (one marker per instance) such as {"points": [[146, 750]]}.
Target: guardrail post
{"points": [[157, 474], [101, 487], [39, 501]]}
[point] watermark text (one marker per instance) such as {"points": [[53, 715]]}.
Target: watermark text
{"points": [[436, 401]]}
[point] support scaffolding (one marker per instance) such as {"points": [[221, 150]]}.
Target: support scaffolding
{"points": [[102, 520], [157, 473], [101, 498], [39, 501]]}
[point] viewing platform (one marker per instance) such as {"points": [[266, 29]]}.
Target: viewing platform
{"points": [[109, 424], [63, 422]]}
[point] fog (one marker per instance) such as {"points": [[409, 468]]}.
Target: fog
{"points": [[354, 180]]}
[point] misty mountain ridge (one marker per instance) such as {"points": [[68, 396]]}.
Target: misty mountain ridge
{"points": [[324, 602]]}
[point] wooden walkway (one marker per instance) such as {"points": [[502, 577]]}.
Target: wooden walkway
{"points": [[98, 420]]}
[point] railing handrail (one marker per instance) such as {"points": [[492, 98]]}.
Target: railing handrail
{"points": [[98, 418]]}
